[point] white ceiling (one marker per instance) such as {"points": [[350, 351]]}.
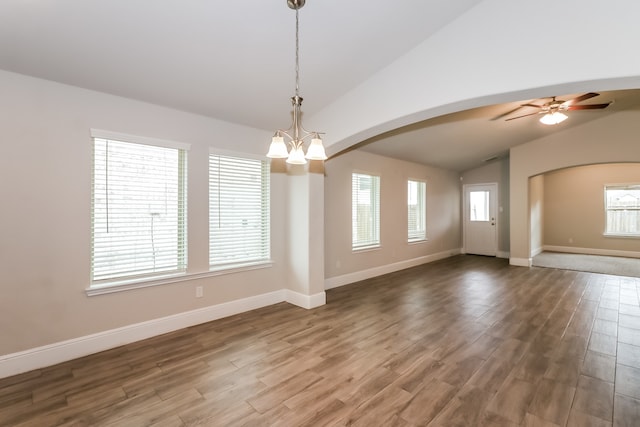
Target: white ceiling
{"points": [[234, 60]]}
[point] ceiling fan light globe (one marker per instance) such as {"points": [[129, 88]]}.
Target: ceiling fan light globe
{"points": [[553, 118]]}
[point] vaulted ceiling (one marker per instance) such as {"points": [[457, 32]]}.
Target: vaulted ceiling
{"points": [[231, 60], [234, 61]]}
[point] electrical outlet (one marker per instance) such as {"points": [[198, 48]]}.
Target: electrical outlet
{"points": [[199, 292]]}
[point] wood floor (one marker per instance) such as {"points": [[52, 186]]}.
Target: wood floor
{"points": [[467, 341]]}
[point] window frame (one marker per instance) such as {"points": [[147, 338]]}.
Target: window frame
{"points": [[116, 282], [613, 233], [419, 235], [246, 264], [375, 241]]}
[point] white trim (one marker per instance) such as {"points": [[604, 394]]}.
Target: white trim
{"points": [[503, 254], [360, 249], [128, 285], [144, 140], [521, 262], [418, 241], [305, 301], [621, 236], [240, 267], [345, 279], [39, 357], [536, 251], [592, 251]]}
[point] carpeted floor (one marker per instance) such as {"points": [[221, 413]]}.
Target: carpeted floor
{"points": [[592, 263]]}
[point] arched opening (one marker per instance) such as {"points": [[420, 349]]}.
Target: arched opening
{"points": [[582, 214], [604, 141]]}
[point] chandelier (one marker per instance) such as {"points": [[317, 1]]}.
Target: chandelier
{"points": [[296, 134]]}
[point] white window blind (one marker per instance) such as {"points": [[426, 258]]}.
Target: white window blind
{"points": [[138, 211], [365, 208], [622, 206], [416, 210], [238, 211]]}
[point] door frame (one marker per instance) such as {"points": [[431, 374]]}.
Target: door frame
{"points": [[465, 212]]}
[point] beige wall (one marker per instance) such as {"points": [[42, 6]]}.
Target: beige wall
{"points": [[610, 139], [498, 172], [443, 212], [574, 206], [45, 227]]}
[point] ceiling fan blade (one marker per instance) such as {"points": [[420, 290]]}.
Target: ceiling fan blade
{"points": [[580, 98], [588, 107], [519, 117], [514, 110], [498, 117]]}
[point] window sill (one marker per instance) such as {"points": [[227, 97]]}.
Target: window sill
{"points": [[238, 268], [122, 286], [417, 241], [366, 248], [622, 236]]}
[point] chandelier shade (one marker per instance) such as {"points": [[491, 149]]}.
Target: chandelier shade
{"points": [[296, 156], [316, 150], [278, 149], [296, 134]]}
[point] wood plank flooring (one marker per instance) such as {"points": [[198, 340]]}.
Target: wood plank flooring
{"points": [[466, 341]]}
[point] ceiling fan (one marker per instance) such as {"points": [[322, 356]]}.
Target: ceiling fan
{"points": [[553, 109]]}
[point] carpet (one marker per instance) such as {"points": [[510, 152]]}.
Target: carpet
{"points": [[591, 263]]}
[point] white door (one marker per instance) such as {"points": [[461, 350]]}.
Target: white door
{"points": [[480, 219]]}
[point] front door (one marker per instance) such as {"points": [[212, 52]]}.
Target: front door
{"points": [[480, 219]]}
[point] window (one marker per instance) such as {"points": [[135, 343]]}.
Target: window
{"points": [[238, 211], [138, 209], [417, 211], [365, 211], [479, 205], [622, 207]]}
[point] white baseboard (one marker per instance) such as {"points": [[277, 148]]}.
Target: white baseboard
{"points": [[503, 254], [40, 357], [36, 358], [345, 279], [521, 262], [592, 251], [536, 251], [306, 301]]}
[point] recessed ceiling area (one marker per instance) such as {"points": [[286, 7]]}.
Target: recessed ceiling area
{"points": [[464, 140]]}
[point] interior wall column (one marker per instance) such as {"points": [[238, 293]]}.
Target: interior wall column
{"points": [[305, 284]]}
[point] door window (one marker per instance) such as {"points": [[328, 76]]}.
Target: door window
{"points": [[479, 205]]}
